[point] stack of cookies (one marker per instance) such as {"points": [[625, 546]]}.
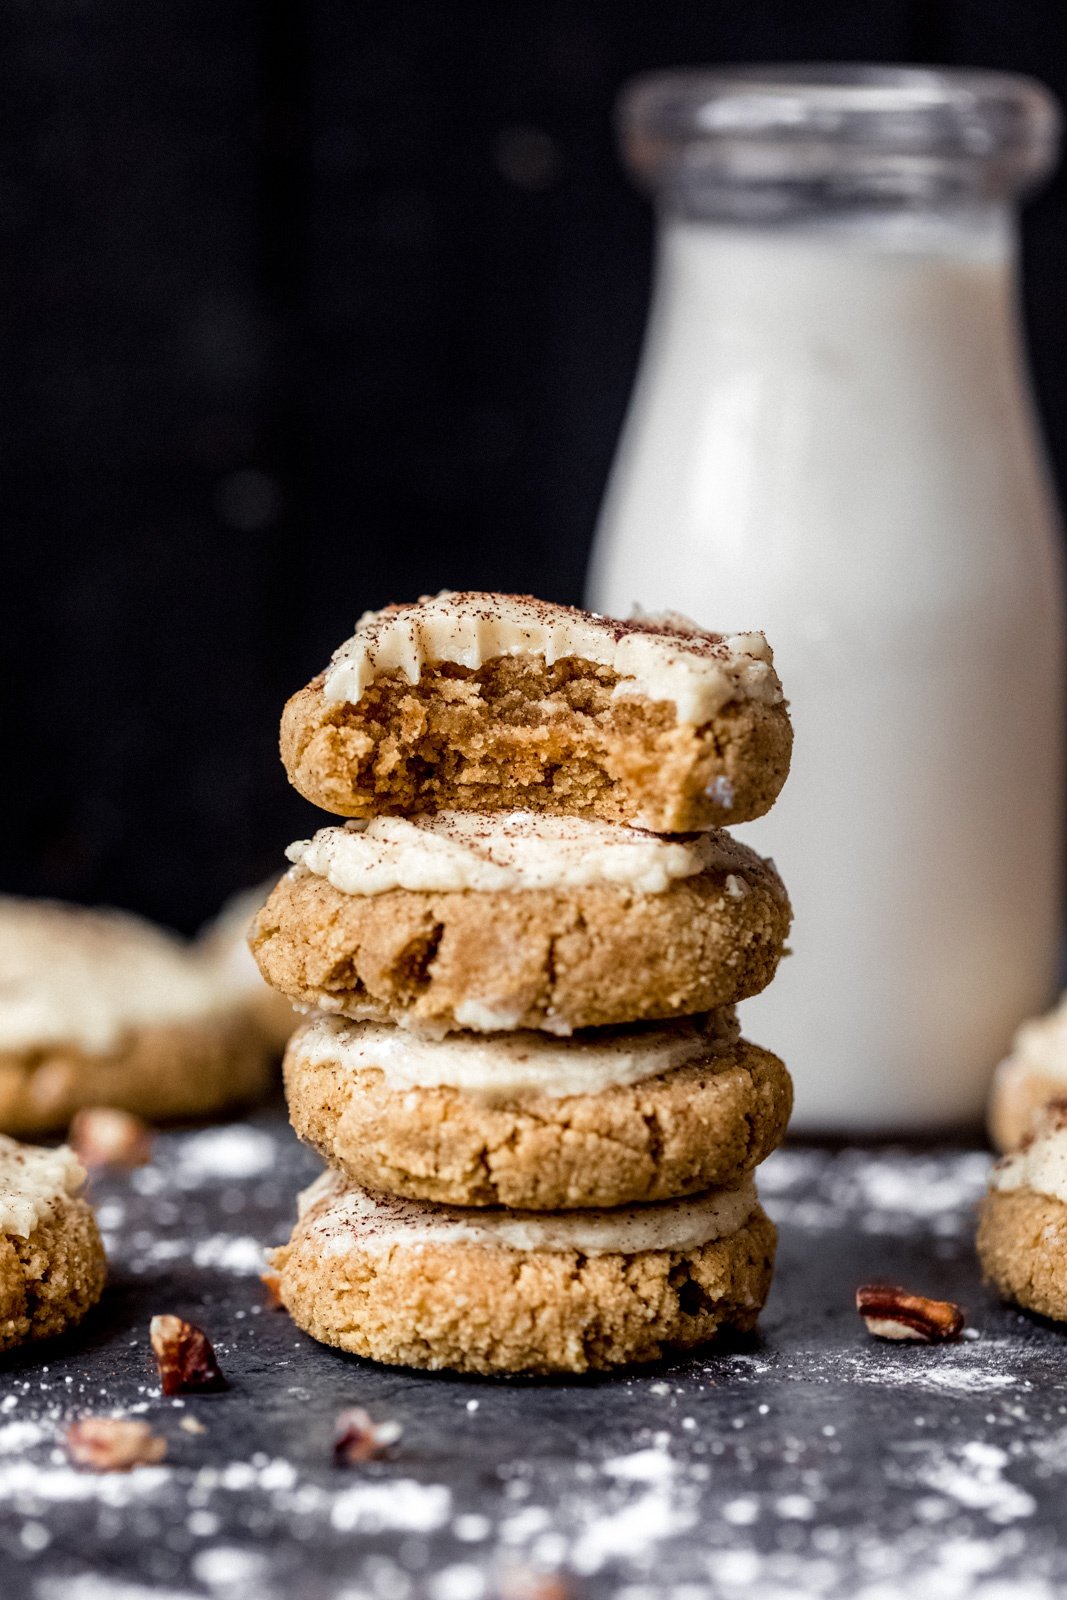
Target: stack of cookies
{"points": [[521, 957]]}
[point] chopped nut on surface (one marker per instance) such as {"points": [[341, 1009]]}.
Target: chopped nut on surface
{"points": [[357, 1438], [113, 1444], [191, 1425], [521, 1584], [184, 1356], [104, 1136], [892, 1313]]}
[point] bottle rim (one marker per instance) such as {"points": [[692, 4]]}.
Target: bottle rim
{"points": [[913, 133]]}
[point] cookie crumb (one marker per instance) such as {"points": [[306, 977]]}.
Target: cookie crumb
{"points": [[113, 1444]]}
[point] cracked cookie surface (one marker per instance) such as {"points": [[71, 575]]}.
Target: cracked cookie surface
{"points": [[704, 1122], [554, 959]]}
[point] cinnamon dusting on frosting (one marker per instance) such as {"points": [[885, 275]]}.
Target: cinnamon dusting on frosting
{"points": [[522, 1062], [343, 1217], [663, 658], [518, 850]]}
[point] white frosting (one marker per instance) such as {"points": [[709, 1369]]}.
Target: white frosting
{"points": [[1041, 1045], [32, 1179], [513, 850], [79, 977], [506, 1064], [662, 658], [341, 1217], [1041, 1164]]}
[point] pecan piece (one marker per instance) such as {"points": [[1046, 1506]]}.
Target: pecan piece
{"points": [[113, 1444], [104, 1136], [892, 1313], [184, 1356], [357, 1438], [521, 1584]]}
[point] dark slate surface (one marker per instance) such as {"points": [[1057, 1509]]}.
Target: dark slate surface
{"points": [[808, 1461]]}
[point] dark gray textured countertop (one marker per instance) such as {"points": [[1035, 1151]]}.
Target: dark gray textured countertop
{"points": [[809, 1461]]}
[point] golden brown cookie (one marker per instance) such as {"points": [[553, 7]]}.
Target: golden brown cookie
{"points": [[486, 702], [52, 1264], [1022, 1231], [597, 948], [528, 1121], [417, 1285], [100, 1008]]}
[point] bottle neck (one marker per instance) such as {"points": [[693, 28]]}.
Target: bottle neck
{"points": [[777, 143], [878, 280], [987, 229]]}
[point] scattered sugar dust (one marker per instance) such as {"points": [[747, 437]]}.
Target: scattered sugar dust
{"points": [[717, 1498]]}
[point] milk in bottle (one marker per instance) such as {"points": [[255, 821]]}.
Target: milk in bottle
{"points": [[832, 439]]}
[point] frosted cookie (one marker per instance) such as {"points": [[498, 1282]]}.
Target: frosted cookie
{"points": [[52, 1264], [418, 1285], [519, 921], [1032, 1075], [529, 1121], [101, 1008], [490, 702], [223, 945], [1022, 1234]]}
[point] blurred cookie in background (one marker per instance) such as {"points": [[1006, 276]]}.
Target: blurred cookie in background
{"points": [[101, 1008], [1031, 1076], [223, 945]]}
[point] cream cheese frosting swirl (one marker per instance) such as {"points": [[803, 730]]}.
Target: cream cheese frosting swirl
{"points": [[32, 1180], [663, 658], [342, 1217], [498, 1065], [515, 850], [1041, 1163]]}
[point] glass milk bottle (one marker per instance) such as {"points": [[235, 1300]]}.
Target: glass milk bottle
{"points": [[832, 438]]}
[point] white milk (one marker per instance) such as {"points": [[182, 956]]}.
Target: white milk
{"points": [[831, 439]]}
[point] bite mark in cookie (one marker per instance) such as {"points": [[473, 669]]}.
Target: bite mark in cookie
{"points": [[487, 702]]}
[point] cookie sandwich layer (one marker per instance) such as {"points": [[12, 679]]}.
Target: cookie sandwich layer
{"points": [[431, 1286], [531, 1121], [589, 925]]}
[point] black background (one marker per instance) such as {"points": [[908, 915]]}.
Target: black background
{"points": [[307, 307]]}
